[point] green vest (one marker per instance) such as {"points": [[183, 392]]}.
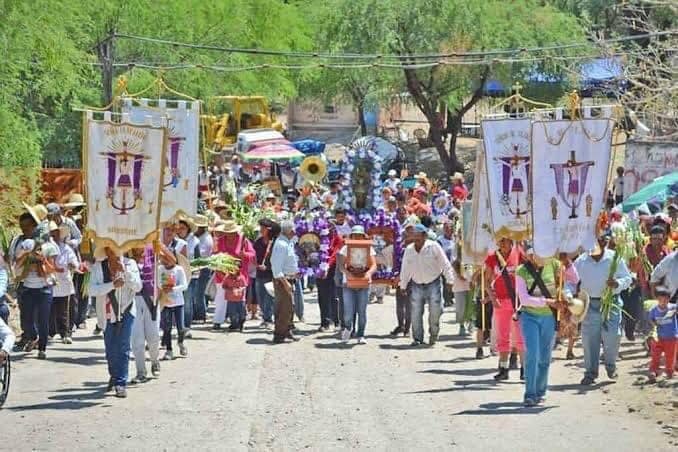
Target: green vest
{"points": [[548, 275]]}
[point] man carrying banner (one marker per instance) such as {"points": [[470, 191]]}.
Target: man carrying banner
{"points": [[114, 282]]}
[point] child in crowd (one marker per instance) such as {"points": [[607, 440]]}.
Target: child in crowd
{"points": [[173, 283], [235, 290], [663, 316]]}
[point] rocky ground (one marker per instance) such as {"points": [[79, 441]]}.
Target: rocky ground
{"points": [[239, 392]]}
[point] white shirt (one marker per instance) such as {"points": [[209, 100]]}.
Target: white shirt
{"points": [[425, 266], [125, 295], [64, 280], [463, 285], [7, 337], [206, 245], [619, 186], [593, 275], [176, 296], [284, 258], [392, 184], [667, 269]]}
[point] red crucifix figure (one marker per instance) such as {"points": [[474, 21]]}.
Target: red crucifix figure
{"points": [[570, 178], [124, 177], [515, 170]]}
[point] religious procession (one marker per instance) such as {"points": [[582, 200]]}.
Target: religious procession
{"points": [[195, 224]]}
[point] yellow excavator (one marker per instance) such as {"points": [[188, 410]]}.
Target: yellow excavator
{"points": [[239, 113]]}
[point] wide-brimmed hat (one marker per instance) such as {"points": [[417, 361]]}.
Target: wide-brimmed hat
{"points": [[75, 200], [37, 212], [52, 226], [100, 252], [227, 227], [421, 175], [458, 176], [579, 306], [200, 221]]}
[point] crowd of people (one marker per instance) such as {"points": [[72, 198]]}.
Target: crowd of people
{"points": [[514, 306]]}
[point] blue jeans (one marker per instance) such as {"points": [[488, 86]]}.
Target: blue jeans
{"points": [[117, 339], [265, 301], [169, 316], [189, 297], [355, 301], [4, 311], [299, 299], [36, 306], [235, 311], [420, 294], [592, 332], [199, 300], [538, 332]]}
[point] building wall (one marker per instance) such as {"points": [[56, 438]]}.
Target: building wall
{"points": [[646, 160]]}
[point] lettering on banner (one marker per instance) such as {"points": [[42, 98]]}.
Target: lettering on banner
{"points": [[122, 231]]}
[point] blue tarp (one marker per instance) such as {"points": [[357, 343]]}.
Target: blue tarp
{"points": [[309, 147]]}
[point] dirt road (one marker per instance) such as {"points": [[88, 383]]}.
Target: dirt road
{"points": [[239, 392]]}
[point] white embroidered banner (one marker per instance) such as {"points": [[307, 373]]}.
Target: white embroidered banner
{"points": [[507, 159], [571, 160], [123, 167], [180, 184], [476, 223]]}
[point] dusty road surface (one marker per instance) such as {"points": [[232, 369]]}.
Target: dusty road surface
{"points": [[240, 392]]}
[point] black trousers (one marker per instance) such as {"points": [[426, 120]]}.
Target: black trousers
{"points": [[327, 296], [59, 316], [633, 306]]}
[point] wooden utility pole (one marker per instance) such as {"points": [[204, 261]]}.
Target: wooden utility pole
{"points": [[106, 55]]}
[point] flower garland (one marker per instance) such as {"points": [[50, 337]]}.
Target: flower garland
{"points": [[317, 224], [361, 149], [383, 220]]}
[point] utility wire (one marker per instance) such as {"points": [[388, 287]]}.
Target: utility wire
{"points": [[354, 56]]}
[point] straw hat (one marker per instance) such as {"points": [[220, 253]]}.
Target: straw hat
{"points": [[38, 212], [458, 176], [52, 226], [421, 175], [75, 200], [227, 227], [200, 221]]}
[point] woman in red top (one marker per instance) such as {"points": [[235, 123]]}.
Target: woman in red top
{"points": [[459, 190], [229, 240], [500, 282]]}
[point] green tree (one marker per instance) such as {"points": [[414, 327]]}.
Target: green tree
{"points": [[445, 93]]}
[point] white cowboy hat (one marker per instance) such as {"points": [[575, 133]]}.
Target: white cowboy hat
{"points": [[227, 227], [74, 200]]}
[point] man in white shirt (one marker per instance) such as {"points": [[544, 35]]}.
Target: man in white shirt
{"points": [[423, 263], [114, 282], [594, 273], [392, 181], [285, 269]]}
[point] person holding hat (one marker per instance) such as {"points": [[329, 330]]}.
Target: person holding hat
{"points": [[35, 257], [114, 283], [663, 317], [230, 240], [173, 284], [356, 299], [594, 273], [424, 262], [537, 289], [54, 214], [205, 248], [64, 264]]}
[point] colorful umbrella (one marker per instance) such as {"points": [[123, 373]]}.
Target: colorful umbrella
{"points": [[659, 190], [272, 152]]}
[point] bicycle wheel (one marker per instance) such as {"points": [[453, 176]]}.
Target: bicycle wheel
{"points": [[4, 381]]}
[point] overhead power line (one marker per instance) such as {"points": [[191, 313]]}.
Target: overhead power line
{"points": [[406, 57]]}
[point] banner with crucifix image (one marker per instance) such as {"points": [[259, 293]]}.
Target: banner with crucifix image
{"points": [[507, 159], [182, 162], [569, 175], [123, 168]]}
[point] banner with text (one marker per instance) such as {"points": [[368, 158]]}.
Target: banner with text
{"points": [[569, 174], [507, 159], [123, 165], [182, 162]]}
